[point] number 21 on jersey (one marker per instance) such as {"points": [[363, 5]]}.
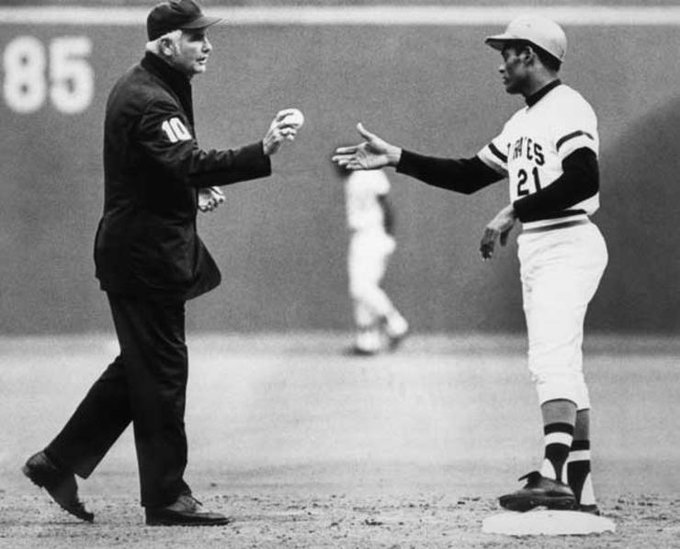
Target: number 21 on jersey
{"points": [[525, 179]]}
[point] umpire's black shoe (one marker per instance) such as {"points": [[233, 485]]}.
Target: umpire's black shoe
{"points": [[60, 484], [539, 491], [186, 511]]}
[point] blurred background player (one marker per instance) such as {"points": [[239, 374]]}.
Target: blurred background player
{"points": [[370, 219]]}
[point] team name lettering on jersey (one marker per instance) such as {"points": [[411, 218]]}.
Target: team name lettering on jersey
{"points": [[525, 146], [528, 177], [175, 130]]}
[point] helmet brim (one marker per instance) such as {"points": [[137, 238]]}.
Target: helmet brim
{"points": [[499, 41]]}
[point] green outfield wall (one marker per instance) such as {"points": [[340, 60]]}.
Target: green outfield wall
{"points": [[281, 242]]}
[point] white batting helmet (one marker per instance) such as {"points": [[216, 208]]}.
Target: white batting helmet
{"points": [[540, 31]]}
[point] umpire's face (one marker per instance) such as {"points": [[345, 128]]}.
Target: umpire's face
{"points": [[192, 52]]}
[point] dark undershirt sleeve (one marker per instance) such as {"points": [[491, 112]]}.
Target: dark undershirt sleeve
{"points": [[580, 180], [464, 175]]}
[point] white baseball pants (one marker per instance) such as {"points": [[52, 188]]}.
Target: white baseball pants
{"points": [[560, 271], [368, 256]]}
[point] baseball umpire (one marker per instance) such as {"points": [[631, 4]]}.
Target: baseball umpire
{"points": [[150, 261], [548, 151]]}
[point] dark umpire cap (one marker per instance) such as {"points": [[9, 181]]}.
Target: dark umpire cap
{"points": [[172, 15]]}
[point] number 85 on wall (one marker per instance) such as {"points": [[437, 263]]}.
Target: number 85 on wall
{"points": [[33, 71]]}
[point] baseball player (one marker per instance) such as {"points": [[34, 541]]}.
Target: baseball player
{"points": [[379, 325], [548, 151]]}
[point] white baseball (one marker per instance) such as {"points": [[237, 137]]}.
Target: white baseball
{"points": [[295, 118]]}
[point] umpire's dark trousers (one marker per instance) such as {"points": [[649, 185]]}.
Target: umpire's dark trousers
{"points": [[145, 385]]}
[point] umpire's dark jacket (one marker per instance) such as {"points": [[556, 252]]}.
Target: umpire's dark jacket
{"points": [[146, 242]]}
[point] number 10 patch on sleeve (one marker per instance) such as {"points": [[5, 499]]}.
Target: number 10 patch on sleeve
{"points": [[175, 130]]}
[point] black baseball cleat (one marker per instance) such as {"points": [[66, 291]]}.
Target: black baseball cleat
{"points": [[360, 351], [395, 340], [539, 491], [590, 509], [185, 511], [60, 484]]}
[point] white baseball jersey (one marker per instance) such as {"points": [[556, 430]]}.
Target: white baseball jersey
{"points": [[362, 189], [534, 142]]}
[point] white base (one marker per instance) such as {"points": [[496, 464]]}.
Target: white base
{"points": [[546, 523]]}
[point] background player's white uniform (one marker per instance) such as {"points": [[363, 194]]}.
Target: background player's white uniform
{"points": [[563, 255], [370, 248]]}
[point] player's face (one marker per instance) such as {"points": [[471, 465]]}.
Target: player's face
{"points": [[192, 52], [513, 70]]}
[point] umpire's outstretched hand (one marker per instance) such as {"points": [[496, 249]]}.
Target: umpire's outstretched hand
{"points": [[372, 154]]}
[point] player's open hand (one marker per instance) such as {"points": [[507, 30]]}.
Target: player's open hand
{"points": [[210, 198], [498, 228], [282, 128], [372, 154]]}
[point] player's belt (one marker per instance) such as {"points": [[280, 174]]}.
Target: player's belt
{"points": [[562, 225]]}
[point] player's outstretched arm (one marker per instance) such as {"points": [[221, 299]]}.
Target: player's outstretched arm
{"points": [[284, 127], [374, 153]]}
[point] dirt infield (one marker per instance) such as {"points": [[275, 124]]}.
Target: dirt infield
{"points": [[307, 448], [279, 519]]}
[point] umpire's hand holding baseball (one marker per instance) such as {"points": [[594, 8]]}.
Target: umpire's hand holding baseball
{"points": [[280, 130], [372, 154], [499, 226]]}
